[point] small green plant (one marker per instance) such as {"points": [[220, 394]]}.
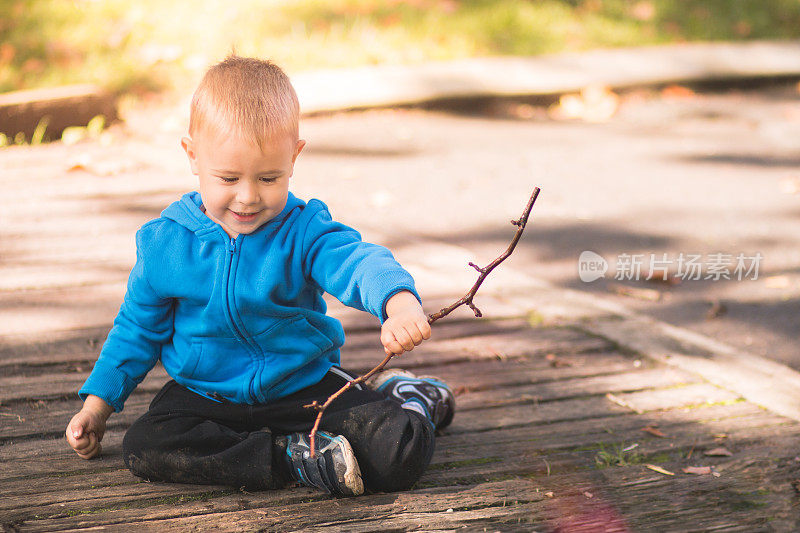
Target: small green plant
{"points": [[617, 455], [39, 133], [71, 135], [92, 130]]}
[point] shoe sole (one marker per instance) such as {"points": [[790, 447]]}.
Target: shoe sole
{"points": [[380, 378], [352, 474]]}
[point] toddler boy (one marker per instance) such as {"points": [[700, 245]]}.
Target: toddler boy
{"points": [[227, 293]]}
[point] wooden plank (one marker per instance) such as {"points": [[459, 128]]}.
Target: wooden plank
{"points": [[62, 107], [624, 430], [88, 498], [583, 408], [61, 385], [277, 506], [575, 387], [518, 343], [49, 419], [526, 461], [480, 375], [745, 502], [714, 418]]}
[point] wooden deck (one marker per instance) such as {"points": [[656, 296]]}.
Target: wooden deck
{"points": [[550, 433], [543, 415]]}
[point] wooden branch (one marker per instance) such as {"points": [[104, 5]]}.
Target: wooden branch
{"points": [[465, 300]]}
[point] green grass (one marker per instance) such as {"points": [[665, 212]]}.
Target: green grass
{"points": [[617, 455], [149, 44]]}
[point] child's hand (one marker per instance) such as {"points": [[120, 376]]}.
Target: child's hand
{"points": [[406, 326], [86, 429]]}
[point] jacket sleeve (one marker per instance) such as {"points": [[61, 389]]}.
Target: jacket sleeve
{"points": [[144, 323], [359, 274]]}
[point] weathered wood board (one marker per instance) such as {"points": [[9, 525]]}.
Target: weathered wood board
{"points": [[554, 430]]}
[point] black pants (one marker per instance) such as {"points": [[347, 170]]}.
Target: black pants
{"points": [[187, 438]]}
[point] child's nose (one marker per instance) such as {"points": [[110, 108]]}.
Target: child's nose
{"points": [[248, 193]]}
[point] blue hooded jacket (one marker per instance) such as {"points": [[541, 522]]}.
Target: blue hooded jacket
{"points": [[241, 319]]}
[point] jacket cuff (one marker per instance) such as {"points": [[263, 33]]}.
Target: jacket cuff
{"points": [[387, 285], [109, 383]]}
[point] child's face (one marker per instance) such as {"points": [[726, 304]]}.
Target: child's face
{"points": [[242, 186]]}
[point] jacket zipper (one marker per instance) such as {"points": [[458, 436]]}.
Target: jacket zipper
{"points": [[237, 331]]}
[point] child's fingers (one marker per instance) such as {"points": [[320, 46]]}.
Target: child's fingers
{"points": [[424, 328], [390, 344], [90, 448], [82, 444], [75, 435], [95, 451], [404, 338]]}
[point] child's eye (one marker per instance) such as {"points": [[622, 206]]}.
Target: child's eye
{"points": [[269, 179], [228, 180]]}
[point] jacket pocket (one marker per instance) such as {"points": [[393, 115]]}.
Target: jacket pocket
{"points": [[215, 359], [284, 347], [292, 337]]}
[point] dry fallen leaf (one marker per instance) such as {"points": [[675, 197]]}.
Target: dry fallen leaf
{"points": [[588, 494], [660, 470], [650, 295], [654, 431], [697, 470], [718, 452], [677, 91], [619, 401], [549, 494]]}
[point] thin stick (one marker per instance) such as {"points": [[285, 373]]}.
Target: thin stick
{"points": [[465, 300]]}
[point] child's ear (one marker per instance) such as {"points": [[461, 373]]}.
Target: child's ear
{"points": [[188, 146], [298, 148]]}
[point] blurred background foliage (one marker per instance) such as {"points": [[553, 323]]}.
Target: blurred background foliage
{"points": [[151, 44]]}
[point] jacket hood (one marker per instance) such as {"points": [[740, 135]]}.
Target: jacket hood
{"points": [[188, 213]]}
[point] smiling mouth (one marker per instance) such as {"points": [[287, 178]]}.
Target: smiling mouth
{"points": [[245, 215]]}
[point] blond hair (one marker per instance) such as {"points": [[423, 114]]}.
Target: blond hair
{"points": [[246, 96]]}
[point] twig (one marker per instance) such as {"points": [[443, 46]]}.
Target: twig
{"points": [[465, 300]]}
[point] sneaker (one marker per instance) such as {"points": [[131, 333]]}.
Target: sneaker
{"points": [[334, 468], [427, 395]]}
